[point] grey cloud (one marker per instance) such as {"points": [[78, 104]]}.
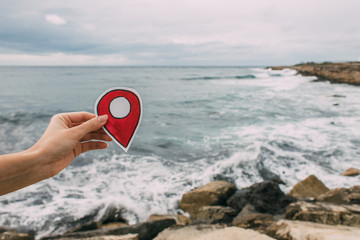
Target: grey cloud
{"points": [[186, 32]]}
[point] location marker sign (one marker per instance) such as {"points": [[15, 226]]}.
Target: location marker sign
{"points": [[123, 106]]}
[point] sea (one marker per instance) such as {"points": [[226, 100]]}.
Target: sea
{"points": [[199, 124]]}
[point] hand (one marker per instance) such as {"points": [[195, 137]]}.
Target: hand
{"points": [[67, 136]]}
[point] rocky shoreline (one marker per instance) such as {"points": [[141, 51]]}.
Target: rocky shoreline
{"points": [[218, 210], [344, 72]]}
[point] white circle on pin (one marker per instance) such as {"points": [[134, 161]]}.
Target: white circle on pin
{"points": [[119, 107]]}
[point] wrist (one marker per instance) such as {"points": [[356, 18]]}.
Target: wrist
{"points": [[19, 170], [38, 167]]}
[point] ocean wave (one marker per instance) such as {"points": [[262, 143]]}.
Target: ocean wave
{"points": [[21, 118], [247, 76], [258, 74], [201, 78]]}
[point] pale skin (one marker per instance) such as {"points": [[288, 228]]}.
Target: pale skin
{"points": [[67, 136]]}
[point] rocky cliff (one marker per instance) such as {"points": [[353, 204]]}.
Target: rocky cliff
{"points": [[345, 72]]}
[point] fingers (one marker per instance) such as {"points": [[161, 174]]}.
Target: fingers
{"points": [[89, 126], [93, 145], [97, 135], [78, 117], [72, 119]]}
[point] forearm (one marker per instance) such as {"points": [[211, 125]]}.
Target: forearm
{"points": [[67, 136], [18, 170]]}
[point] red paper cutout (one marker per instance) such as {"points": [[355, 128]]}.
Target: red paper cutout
{"points": [[123, 106]]}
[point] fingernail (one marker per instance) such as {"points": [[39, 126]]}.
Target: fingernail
{"points": [[103, 118]]}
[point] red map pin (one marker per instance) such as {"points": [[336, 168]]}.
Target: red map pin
{"points": [[123, 106]]}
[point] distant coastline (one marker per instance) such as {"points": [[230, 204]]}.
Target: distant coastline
{"points": [[343, 72]]}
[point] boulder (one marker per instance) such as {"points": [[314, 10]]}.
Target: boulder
{"points": [[342, 196], [266, 197], [214, 193], [354, 196], [355, 189], [180, 219], [214, 214], [256, 221], [14, 235], [325, 213], [210, 232], [145, 230], [248, 209], [85, 227], [180, 232], [311, 187], [298, 230], [249, 218], [351, 172], [122, 237], [110, 217], [113, 225], [113, 214], [336, 196]]}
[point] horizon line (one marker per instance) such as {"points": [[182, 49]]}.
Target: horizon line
{"points": [[242, 66]]}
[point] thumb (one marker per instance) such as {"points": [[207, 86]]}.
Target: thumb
{"points": [[89, 126]]}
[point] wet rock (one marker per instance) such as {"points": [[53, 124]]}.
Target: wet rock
{"points": [[311, 187], [324, 213], [299, 230], [14, 235], [123, 237], [3, 229], [214, 193], [113, 225], [256, 221], [351, 172], [110, 217], [249, 218], [265, 173], [266, 197], [180, 219], [336, 196], [113, 214], [354, 196], [248, 209], [342, 196], [214, 214], [355, 189], [210, 232], [145, 230], [85, 223], [179, 232], [85, 227]]}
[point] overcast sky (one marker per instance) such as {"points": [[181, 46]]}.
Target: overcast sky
{"points": [[178, 32]]}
